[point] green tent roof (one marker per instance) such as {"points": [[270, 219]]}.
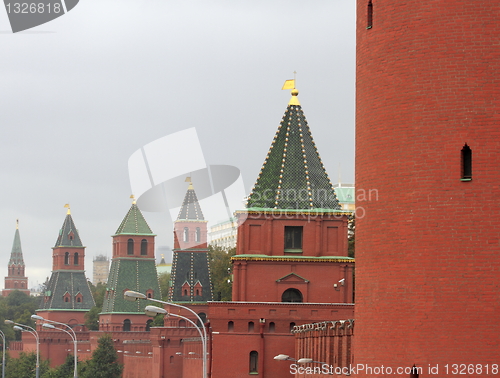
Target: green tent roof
{"points": [[138, 274], [293, 175], [190, 209], [68, 234], [71, 284], [16, 255], [134, 223]]}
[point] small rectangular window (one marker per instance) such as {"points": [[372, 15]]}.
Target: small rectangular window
{"points": [[293, 238], [369, 15], [466, 155]]}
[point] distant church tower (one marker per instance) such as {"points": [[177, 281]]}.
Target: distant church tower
{"points": [[292, 238], [190, 267], [67, 296], [133, 267], [428, 149], [16, 279]]}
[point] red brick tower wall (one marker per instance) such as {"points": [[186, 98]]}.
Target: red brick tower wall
{"points": [[427, 247]]}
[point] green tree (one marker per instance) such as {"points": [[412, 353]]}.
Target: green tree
{"points": [[164, 280], [17, 307], [158, 321], [221, 272], [92, 317], [25, 366], [104, 361]]}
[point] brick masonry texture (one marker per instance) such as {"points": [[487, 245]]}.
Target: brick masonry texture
{"points": [[427, 247]]}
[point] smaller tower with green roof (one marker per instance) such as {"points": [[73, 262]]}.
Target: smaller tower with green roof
{"points": [[133, 267], [67, 296], [190, 275], [16, 278], [292, 238]]}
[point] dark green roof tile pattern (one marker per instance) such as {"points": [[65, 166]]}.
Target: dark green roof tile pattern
{"points": [[190, 209], [293, 175], [134, 223], [16, 255], [193, 268], [68, 234], [71, 282], [130, 274]]}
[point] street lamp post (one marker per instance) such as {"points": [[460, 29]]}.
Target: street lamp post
{"points": [[134, 295], [3, 354], [75, 354], [72, 335], [26, 328]]}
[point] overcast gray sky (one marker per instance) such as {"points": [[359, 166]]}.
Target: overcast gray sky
{"points": [[79, 95]]}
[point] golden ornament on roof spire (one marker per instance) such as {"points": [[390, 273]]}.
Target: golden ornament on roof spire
{"points": [[290, 84], [69, 209]]}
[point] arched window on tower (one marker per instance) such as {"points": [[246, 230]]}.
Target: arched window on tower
{"points": [[251, 327], [254, 362], [230, 326], [369, 23], [144, 247], [126, 325], [198, 234], [130, 247], [75, 258], [66, 258], [148, 325], [291, 295], [466, 155], [186, 234]]}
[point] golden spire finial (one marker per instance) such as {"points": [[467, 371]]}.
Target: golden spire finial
{"points": [[69, 209], [133, 199], [290, 84], [188, 179]]}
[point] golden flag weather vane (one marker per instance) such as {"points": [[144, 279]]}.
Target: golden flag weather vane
{"points": [[290, 84], [69, 209]]}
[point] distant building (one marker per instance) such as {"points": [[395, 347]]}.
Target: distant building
{"points": [[163, 266], [101, 269], [16, 279], [224, 234], [346, 194]]}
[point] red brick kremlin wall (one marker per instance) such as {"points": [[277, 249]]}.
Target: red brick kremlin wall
{"points": [[427, 248]]}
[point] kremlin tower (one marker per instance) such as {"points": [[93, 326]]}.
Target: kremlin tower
{"points": [[67, 296], [16, 278], [190, 267], [133, 267], [292, 238], [428, 145]]}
